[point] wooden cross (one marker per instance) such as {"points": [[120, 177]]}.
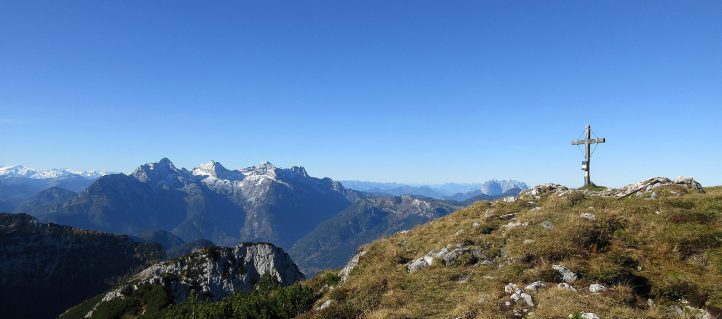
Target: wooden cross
{"points": [[588, 141]]}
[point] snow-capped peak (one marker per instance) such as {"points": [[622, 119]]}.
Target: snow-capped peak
{"points": [[215, 169], [163, 171], [263, 168], [22, 171]]}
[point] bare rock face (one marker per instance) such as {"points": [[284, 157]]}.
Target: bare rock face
{"points": [[351, 265], [215, 272]]}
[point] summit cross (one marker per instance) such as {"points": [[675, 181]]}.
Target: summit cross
{"points": [[588, 141]]}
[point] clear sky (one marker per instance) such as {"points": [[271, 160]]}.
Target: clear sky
{"points": [[389, 90]]}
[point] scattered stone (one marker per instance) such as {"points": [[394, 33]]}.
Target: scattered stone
{"points": [[511, 288], [528, 241], [595, 288], [567, 275], [653, 196], [351, 265], [476, 225], [521, 295], [687, 311], [507, 216], [589, 216], [515, 224], [590, 315], [459, 232], [488, 213], [547, 224], [417, 265], [509, 199], [567, 286], [535, 286], [325, 304], [527, 298], [535, 209], [536, 192]]}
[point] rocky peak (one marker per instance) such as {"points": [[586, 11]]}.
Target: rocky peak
{"points": [[261, 169], [215, 272], [215, 169], [299, 170], [497, 187], [163, 173]]}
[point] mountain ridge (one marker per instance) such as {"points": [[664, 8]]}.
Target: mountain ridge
{"points": [[46, 268], [227, 206]]}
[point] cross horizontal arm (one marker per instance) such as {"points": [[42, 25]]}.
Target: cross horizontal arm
{"points": [[589, 141]]}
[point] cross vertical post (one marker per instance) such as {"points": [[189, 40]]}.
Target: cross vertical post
{"points": [[588, 141]]}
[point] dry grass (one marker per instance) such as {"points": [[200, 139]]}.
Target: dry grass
{"points": [[663, 249]]}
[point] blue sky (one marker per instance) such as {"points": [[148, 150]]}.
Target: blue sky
{"points": [[405, 91]]}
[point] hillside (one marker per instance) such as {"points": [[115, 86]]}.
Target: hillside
{"points": [[46, 268], [649, 250]]}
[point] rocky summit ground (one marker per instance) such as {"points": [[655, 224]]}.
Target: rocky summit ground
{"points": [[648, 250]]}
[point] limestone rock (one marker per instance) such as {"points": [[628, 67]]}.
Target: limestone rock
{"points": [[567, 286], [588, 216], [595, 288], [325, 304], [215, 272], [417, 265], [538, 191], [510, 288], [547, 224], [535, 286], [567, 275], [590, 315], [351, 265]]}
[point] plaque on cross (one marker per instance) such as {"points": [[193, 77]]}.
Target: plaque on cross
{"points": [[587, 142]]}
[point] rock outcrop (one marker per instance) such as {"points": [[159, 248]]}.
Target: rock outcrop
{"points": [[215, 272], [677, 186]]}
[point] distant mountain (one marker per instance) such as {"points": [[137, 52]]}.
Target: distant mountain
{"points": [[370, 217], [46, 268], [496, 187], [18, 183], [46, 201], [258, 203], [434, 191], [164, 238], [174, 246], [449, 191]]}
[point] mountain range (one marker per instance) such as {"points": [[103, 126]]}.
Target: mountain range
{"points": [[320, 222], [448, 191], [18, 183]]}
